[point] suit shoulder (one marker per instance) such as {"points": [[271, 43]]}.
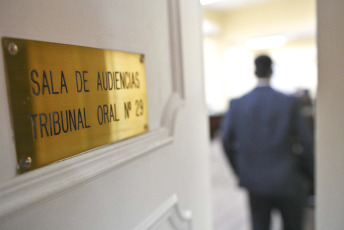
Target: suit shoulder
{"points": [[245, 96], [234, 101], [284, 95], [289, 101], [231, 103]]}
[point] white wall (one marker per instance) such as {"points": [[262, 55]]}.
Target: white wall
{"points": [[229, 70], [330, 116]]}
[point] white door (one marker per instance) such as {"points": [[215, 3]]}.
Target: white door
{"points": [[329, 116], [157, 180]]}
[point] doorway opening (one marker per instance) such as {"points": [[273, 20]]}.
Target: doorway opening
{"points": [[234, 33]]}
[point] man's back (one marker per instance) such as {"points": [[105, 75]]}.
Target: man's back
{"points": [[261, 127]]}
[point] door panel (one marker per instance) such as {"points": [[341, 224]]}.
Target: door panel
{"points": [[143, 182]]}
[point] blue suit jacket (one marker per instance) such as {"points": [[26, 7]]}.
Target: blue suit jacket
{"points": [[258, 133]]}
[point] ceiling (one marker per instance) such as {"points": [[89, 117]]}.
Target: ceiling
{"points": [[223, 5]]}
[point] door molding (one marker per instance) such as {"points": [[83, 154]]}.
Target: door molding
{"points": [[169, 214], [43, 183]]}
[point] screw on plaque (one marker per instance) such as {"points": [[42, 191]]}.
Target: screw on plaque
{"points": [[142, 58], [25, 163], [13, 48]]}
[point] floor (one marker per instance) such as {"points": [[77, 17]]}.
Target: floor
{"points": [[230, 210]]}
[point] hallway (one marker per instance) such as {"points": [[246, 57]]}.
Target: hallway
{"points": [[230, 208]]}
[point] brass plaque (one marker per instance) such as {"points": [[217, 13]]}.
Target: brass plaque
{"points": [[67, 99]]}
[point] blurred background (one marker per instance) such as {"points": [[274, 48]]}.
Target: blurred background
{"points": [[234, 32]]}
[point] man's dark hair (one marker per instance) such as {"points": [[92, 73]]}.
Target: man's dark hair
{"points": [[263, 65]]}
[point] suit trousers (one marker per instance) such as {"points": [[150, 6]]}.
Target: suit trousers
{"points": [[291, 209]]}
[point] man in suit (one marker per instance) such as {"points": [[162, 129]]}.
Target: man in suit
{"points": [[258, 134]]}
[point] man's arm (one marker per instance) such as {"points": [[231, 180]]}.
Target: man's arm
{"points": [[305, 137], [228, 136]]}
